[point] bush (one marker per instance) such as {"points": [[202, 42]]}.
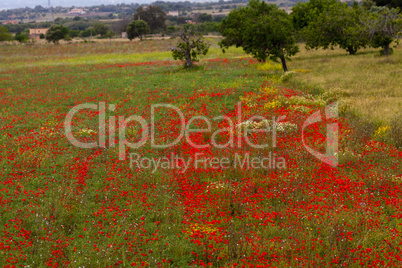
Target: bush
{"points": [[86, 33], [170, 29], [263, 30]]}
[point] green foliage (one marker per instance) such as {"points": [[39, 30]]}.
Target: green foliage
{"points": [[137, 28], [385, 26], [110, 34], [209, 27], [21, 37], [170, 29], [204, 17], [100, 28], [190, 46], [328, 23], [86, 33], [74, 33], [305, 13], [262, 30], [77, 25], [339, 25], [4, 34], [154, 16], [56, 33]]}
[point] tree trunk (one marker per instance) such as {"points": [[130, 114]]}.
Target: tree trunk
{"points": [[351, 51], [189, 63], [386, 50], [283, 60]]}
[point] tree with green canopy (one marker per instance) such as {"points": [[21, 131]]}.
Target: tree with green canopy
{"points": [[262, 30], [304, 13], [340, 25], [56, 33], [137, 28], [154, 16], [190, 46]]}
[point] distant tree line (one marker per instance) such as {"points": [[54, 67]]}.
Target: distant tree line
{"points": [[329, 23], [265, 31], [261, 29]]}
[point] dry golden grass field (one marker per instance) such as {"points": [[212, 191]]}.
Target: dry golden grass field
{"points": [[370, 84]]}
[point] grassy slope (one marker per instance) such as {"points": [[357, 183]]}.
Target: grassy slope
{"points": [[371, 84]]}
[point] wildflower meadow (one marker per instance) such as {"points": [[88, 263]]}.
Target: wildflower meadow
{"points": [[114, 155]]}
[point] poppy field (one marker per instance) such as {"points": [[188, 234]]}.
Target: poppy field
{"points": [[217, 201]]}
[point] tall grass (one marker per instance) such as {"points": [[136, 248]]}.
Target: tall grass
{"points": [[370, 83], [367, 83]]}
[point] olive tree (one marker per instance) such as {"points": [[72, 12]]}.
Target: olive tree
{"points": [[154, 16], [385, 26], [190, 46], [262, 30], [56, 33]]}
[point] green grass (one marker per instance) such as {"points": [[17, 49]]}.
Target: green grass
{"points": [[33, 55]]}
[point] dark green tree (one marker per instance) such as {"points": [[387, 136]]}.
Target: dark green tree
{"points": [[204, 17], [304, 13], [341, 26], [389, 3], [154, 16], [4, 34], [137, 28], [262, 30], [56, 33], [21, 37], [100, 28], [190, 46]]}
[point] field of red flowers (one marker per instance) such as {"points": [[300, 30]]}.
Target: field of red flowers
{"points": [[65, 206]]}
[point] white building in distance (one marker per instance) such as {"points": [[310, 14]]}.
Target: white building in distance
{"points": [[76, 11]]}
